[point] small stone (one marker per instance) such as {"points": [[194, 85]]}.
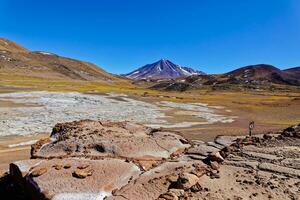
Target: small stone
{"points": [[214, 165], [216, 157], [57, 167], [177, 192], [83, 166], [257, 181], [172, 178], [267, 137], [169, 196], [214, 175], [187, 180], [38, 172], [67, 166], [82, 173], [196, 188]]}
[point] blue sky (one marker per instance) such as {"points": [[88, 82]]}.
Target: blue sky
{"points": [[214, 36]]}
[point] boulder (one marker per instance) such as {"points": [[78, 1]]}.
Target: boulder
{"points": [[293, 131], [187, 180]]}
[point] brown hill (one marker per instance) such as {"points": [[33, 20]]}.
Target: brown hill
{"points": [[16, 60]]}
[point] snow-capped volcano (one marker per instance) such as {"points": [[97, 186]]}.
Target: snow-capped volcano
{"points": [[162, 69]]}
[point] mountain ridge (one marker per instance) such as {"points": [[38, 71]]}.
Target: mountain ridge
{"points": [[17, 60], [252, 76], [162, 69], [294, 71]]}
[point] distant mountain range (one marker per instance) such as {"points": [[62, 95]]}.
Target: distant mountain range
{"points": [[16, 60], [162, 69], [252, 76]]}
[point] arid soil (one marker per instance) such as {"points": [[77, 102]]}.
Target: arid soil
{"points": [[122, 160]]}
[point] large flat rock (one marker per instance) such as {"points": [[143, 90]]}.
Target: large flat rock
{"points": [[57, 178], [97, 139], [202, 149]]}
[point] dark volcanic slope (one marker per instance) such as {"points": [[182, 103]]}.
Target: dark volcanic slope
{"points": [[262, 73], [295, 72], [16, 60], [162, 69], [252, 76]]}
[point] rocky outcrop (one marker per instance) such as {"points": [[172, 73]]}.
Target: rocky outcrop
{"points": [[96, 140], [121, 160], [94, 159]]}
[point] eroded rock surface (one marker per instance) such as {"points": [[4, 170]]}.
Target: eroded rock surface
{"points": [[96, 159], [95, 139], [121, 160]]}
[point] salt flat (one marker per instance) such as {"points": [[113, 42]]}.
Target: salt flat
{"points": [[38, 112]]}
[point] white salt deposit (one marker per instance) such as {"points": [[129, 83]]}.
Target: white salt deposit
{"points": [[22, 144], [57, 107], [81, 196], [200, 110], [54, 107]]}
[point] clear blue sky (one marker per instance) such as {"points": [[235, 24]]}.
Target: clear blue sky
{"points": [[119, 35]]}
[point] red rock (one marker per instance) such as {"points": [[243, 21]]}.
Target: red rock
{"points": [[38, 171], [83, 166], [57, 167], [177, 192], [83, 173], [95, 139], [216, 156], [187, 180], [214, 165], [168, 196], [67, 166]]}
